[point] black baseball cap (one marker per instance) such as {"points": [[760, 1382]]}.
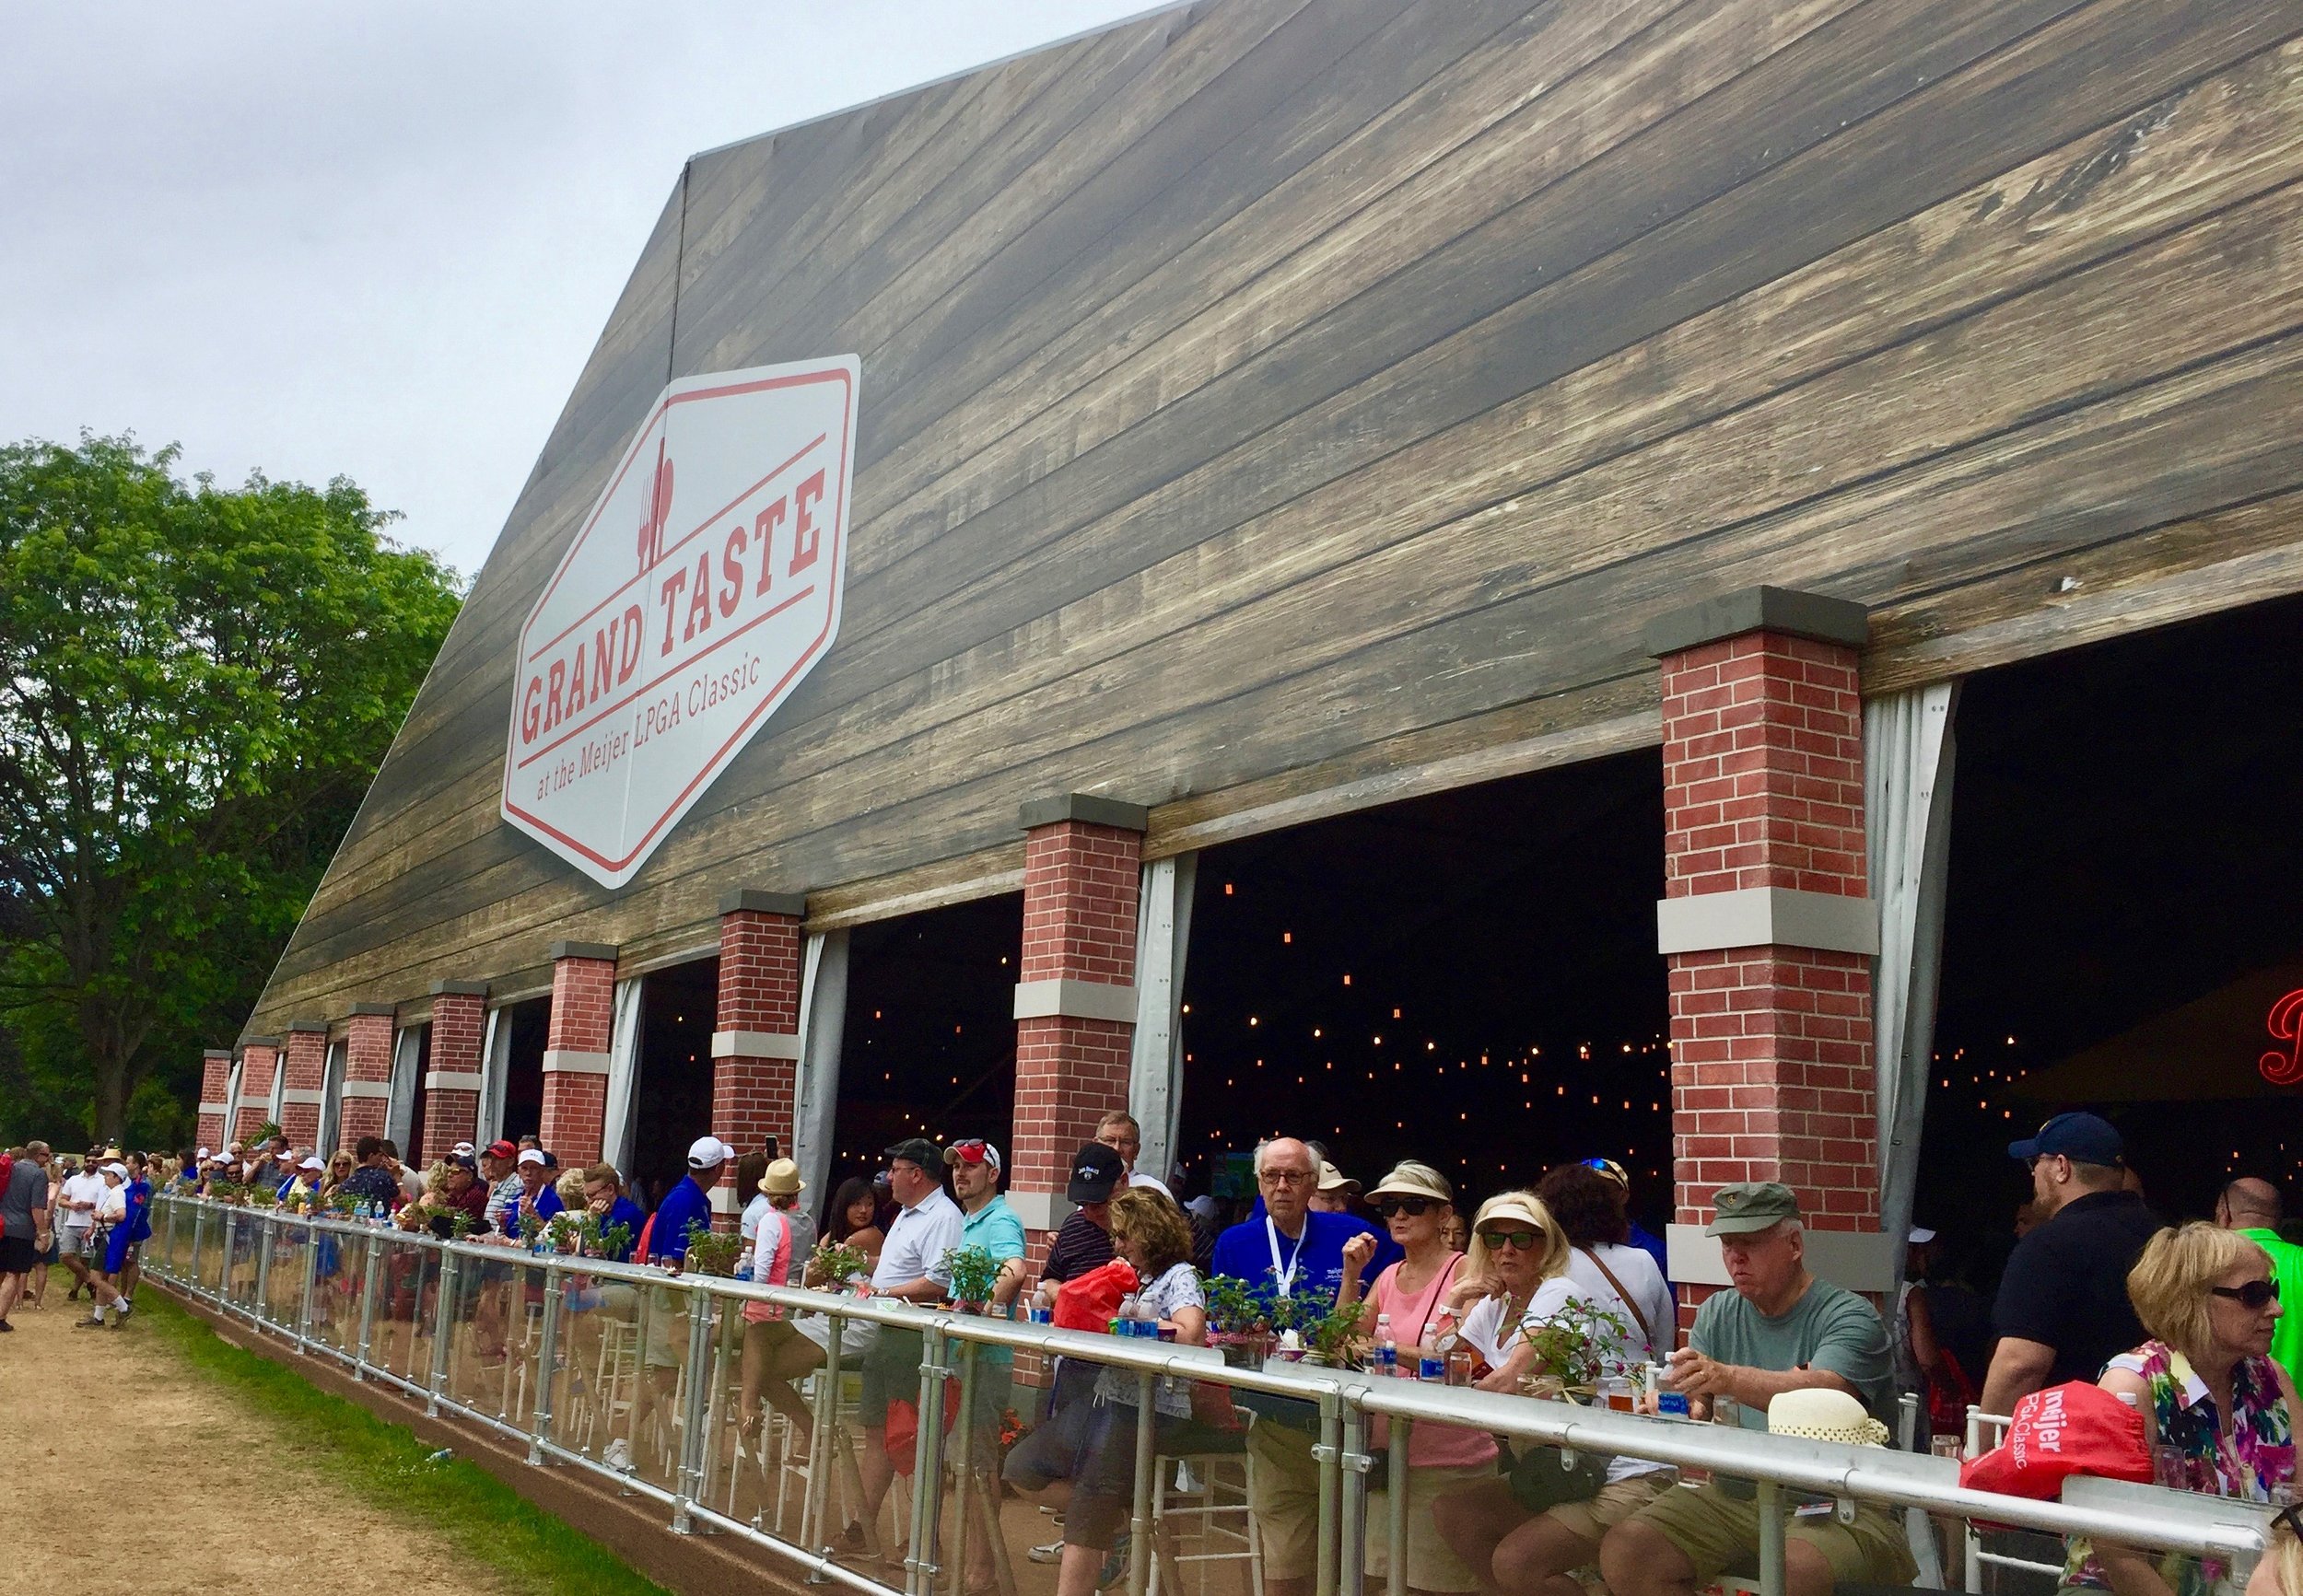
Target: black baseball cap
{"points": [[1095, 1169], [918, 1150], [2082, 1138]]}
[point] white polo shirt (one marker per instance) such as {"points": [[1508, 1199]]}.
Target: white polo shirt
{"points": [[81, 1188], [917, 1241]]}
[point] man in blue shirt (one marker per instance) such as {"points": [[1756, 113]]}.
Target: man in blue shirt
{"points": [[1290, 1250], [689, 1203], [988, 1222]]}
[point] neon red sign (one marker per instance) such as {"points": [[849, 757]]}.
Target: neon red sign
{"points": [[2285, 1024]]}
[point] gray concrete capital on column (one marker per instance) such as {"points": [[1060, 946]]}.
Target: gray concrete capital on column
{"points": [[318, 1025], [224, 1053], [1781, 609], [386, 1010], [271, 1042], [606, 950], [754, 901], [1086, 808], [459, 989]]}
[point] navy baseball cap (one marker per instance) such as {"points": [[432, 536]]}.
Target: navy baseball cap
{"points": [[2084, 1139]]}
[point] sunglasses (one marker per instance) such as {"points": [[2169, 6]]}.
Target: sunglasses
{"points": [[2254, 1296], [1525, 1241], [1411, 1206], [968, 1152]]}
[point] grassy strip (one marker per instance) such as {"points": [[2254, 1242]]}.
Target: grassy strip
{"points": [[341, 1443]]}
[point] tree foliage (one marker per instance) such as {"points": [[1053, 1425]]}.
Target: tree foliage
{"points": [[197, 684]]}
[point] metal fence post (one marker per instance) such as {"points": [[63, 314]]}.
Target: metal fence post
{"points": [[1771, 1502], [822, 1440], [199, 1230], [373, 1247], [1396, 1509], [701, 1319], [442, 1317], [1328, 1454], [919, 1564], [965, 1448], [266, 1229], [1351, 1516], [1147, 1459], [548, 1363], [312, 1280], [223, 1264]]}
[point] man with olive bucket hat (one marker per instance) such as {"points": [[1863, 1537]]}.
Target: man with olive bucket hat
{"points": [[1780, 1330]]}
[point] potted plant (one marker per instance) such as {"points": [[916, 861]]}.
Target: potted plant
{"points": [[973, 1273], [1238, 1322], [712, 1251], [1571, 1351], [835, 1264]]}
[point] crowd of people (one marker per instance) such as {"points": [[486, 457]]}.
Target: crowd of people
{"points": [[1544, 1289]]}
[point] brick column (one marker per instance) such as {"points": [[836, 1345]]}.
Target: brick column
{"points": [[576, 1051], [1075, 1006], [259, 1062], [756, 1031], [452, 1085], [307, 1074], [1766, 921], [367, 1073], [214, 1115]]}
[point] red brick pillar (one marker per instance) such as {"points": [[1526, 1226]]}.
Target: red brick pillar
{"points": [[259, 1064], [576, 1051], [1766, 921], [756, 1031], [214, 1115], [1075, 1008], [367, 1073], [451, 1083], [307, 1074]]}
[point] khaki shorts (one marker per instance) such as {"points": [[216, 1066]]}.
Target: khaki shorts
{"points": [[1617, 1501], [1283, 1493], [1720, 1533], [1431, 1562]]}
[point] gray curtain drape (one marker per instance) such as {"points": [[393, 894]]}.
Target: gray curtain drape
{"points": [[399, 1115], [1155, 1075], [1909, 751], [620, 1123], [494, 1077], [823, 1019]]}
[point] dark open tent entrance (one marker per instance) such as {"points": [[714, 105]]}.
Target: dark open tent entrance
{"points": [[2127, 845], [672, 1091], [1469, 979], [928, 1046], [526, 1028]]}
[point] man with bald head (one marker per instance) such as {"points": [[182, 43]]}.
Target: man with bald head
{"points": [[2254, 1208], [1289, 1250]]}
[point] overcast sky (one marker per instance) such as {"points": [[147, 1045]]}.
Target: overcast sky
{"points": [[379, 241]]}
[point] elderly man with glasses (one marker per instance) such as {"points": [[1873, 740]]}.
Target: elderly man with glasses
{"points": [[1290, 1250]]}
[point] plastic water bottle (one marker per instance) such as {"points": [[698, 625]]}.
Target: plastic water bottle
{"points": [[1454, 1352], [1387, 1349], [1431, 1368], [744, 1265], [1124, 1322], [1669, 1404]]}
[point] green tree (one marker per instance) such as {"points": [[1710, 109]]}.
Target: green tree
{"points": [[197, 684]]}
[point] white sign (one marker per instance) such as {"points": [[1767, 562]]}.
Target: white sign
{"points": [[699, 591]]}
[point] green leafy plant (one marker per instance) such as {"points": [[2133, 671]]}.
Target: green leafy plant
{"points": [[265, 1132], [344, 1204], [835, 1264], [712, 1251], [1572, 1347], [531, 1227], [1234, 1307], [974, 1272], [460, 1224], [614, 1241]]}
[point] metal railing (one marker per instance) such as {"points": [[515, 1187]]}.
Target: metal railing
{"points": [[636, 1375]]}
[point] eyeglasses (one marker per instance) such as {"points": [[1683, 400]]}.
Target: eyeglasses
{"points": [[1411, 1206], [2254, 1296], [1524, 1240], [1286, 1177]]}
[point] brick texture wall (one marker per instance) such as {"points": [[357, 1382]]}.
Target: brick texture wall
{"points": [[1764, 782], [215, 1079], [307, 1072], [367, 1060], [755, 1097], [1080, 883], [257, 1065], [452, 1114], [583, 1016]]}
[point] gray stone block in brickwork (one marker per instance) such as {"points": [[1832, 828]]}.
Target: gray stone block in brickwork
{"points": [[1782, 609]]}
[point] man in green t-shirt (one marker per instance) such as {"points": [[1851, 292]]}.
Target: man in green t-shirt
{"points": [[2253, 1208], [1781, 1328]]}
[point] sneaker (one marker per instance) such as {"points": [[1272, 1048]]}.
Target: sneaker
{"points": [[124, 1310], [618, 1456], [1115, 1568], [96, 1323], [6, 1326], [1051, 1552]]}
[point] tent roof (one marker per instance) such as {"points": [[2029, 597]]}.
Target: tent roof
{"points": [[2206, 1050]]}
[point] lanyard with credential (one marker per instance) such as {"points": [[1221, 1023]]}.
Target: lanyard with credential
{"points": [[1285, 1275]]}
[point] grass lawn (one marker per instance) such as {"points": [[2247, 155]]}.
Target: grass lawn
{"points": [[340, 1443]]}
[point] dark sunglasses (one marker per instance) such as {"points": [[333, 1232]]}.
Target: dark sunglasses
{"points": [[1524, 1240], [2254, 1296], [1411, 1206]]}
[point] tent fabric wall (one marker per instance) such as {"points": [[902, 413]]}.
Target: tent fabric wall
{"points": [[495, 1075], [1909, 752], [815, 1093], [399, 1115], [331, 1098], [621, 1122], [1155, 1077]]}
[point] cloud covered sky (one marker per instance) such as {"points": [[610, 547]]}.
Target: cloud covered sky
{"points": [[379, 239]]}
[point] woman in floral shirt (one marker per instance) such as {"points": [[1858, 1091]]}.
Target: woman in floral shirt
{"points": [[2209, 1392]]}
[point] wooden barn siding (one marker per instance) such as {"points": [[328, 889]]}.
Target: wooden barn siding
{"points": [[1281, 397]]}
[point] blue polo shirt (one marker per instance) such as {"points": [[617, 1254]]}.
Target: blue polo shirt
{"points": [[686, 1204], [1244, 1252], [625, 1212]]}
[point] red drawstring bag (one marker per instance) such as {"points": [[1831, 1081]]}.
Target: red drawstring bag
{"points": [[2067, 1429], [1949, 1392], [1092, 1301], [903, 1427]]}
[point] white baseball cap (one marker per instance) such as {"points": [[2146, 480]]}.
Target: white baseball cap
{"points": [[532, 1156], [311, 1163], [120, 1169], [462, 1149], [705, 1151]]}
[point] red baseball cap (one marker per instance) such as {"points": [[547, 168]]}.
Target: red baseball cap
{"points": [[502, 1149]]}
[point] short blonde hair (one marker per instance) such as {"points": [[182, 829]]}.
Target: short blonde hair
{"points": [[2168, 1284], [1525, 1207]]}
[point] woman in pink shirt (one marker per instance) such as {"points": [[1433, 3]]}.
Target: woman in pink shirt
{"points": [[1416, 1202]]}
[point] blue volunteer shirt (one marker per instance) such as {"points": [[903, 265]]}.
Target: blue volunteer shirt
{"points": [[1244, 1252], [684, 1204], [625, 1212]]}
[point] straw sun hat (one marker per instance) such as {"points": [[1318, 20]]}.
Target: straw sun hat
{"points": [[1824, 1416]]}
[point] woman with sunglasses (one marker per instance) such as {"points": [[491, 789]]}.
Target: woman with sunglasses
{"points": [[1415, 1295], [1538, 1273], [2214, 1403]]}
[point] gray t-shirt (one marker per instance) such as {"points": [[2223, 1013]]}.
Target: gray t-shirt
{"points": [[27, 1190], [1829, 1328]]}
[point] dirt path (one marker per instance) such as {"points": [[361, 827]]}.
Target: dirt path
{"points": [[126, 1467]]}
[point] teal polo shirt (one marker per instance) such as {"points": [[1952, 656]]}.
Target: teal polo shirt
{"points": [[997, 1231]]}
